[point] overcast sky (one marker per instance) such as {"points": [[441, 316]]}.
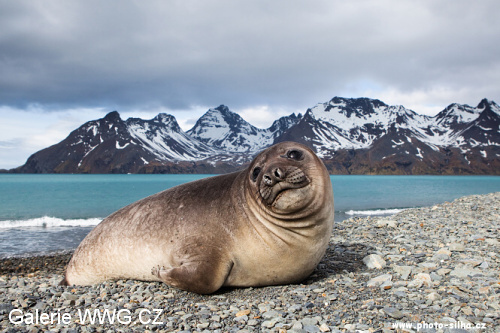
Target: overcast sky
{"points": [[64, 62]]}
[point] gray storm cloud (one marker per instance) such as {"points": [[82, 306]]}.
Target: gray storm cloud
{"points": [[180, 53]]}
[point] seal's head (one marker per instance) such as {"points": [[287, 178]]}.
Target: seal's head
{"points": [[288, 178]]}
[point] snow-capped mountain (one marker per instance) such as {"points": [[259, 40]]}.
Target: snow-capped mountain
{"points": [[229, 132], [482, 130], [455, 115], [112, 145], [163, 138], [351, 135], [281, 125], [346, 123]]}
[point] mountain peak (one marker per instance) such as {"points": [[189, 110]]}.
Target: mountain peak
{"points": [[483, 104], [227, 130], [222, 108], [359, 102], [112, 116], [167, 120], [225, 117], [349, 107], [487, 105], [164, 118]]}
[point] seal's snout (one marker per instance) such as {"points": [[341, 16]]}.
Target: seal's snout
{"points": [[274, 176], [278, 179]]}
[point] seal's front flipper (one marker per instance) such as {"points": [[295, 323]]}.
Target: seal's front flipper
{"points": [[199, 269], [202, 277]]}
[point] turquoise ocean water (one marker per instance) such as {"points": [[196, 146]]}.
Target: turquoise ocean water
{"points": [[47, 213]]}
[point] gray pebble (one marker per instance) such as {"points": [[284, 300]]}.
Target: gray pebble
{"points": [[393, 313]]}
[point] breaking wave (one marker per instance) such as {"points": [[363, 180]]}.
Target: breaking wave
{"points": [[49, 222], [374, 212]]}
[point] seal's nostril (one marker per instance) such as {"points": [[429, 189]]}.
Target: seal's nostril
{"points": [[278, 173], [267, 180]]}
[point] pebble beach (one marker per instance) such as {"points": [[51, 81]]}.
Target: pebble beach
{"points": [[430, 269]]}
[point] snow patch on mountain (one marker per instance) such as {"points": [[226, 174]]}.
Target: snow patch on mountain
{"points": [[345, 123], [163, 137], [229, 132]]}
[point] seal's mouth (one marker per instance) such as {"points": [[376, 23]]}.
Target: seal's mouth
{"points": [[278, 181]]}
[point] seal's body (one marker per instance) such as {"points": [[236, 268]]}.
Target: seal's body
{"points": [[268, 224]]}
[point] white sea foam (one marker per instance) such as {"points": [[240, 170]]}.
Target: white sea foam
{"points": [[49, 222], [374, 212]]}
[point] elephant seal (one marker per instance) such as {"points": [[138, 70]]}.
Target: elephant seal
{"points": [[268, 224]]}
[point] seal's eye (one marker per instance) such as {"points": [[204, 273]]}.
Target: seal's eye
{"points": [[295, 155], [255, 173]]}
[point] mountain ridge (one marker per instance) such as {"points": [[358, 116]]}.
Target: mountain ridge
{"points": [[351, 135]]}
